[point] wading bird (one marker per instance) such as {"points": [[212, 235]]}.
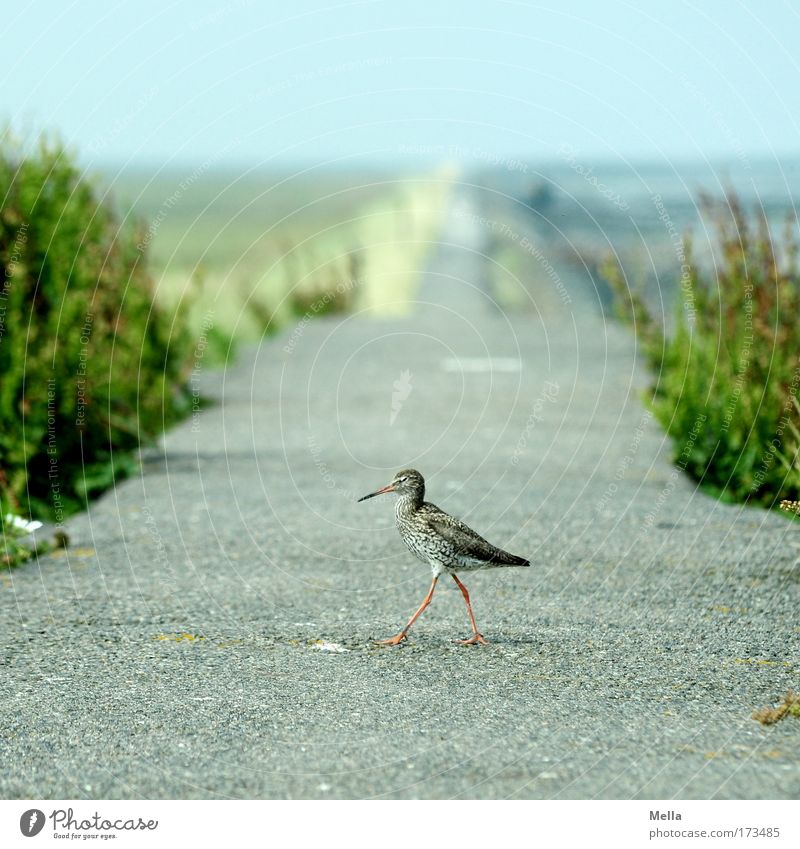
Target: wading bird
{"points": [[442, 541]]}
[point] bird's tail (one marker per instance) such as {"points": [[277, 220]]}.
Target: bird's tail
{"points": [[508, 559]]}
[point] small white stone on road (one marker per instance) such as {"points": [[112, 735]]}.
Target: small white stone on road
{"points": [[323, 645]]}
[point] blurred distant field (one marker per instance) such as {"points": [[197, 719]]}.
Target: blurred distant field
{"points": [[639, 212], [246, 252]]}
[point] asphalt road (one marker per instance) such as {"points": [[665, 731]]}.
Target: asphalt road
{"points": [[182, 646]]}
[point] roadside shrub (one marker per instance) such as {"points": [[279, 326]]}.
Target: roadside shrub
{"points": [[88, 369], [728, 374]]}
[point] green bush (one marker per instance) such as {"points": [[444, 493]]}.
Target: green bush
{"points": [[728, 375], [88, 369]]}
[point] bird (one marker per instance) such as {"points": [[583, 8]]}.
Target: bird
{"points": [[444, 542]]}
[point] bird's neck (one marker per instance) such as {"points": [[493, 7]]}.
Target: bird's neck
{"points": [[407, 504]]}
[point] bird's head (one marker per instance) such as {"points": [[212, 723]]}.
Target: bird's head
{"points": [[408, 482]]}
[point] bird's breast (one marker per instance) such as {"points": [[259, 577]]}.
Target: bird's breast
{"points": [[421, 541]]}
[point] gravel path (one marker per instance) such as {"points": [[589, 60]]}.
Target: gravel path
{"points": [[210, 633]]}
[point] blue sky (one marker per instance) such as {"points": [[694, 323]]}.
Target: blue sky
{"points": [[244, 82]]}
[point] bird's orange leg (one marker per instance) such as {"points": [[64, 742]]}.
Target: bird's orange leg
{"points": [[393, 641], [476, 636]]}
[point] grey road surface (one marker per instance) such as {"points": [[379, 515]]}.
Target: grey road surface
{"points": [[210, 633]]}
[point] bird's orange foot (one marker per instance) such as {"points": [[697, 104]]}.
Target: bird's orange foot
{"points": [[477, 638], [392, 641]]}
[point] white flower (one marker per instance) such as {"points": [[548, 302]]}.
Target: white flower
{"points": [[21, 524]]}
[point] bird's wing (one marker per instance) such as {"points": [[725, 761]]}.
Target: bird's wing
{"points": [[466, 541]]}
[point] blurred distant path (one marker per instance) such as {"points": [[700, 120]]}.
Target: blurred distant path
{"points": [[210, 634]]}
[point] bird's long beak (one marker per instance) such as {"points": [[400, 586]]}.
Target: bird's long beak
{"points": [[388, 488]]}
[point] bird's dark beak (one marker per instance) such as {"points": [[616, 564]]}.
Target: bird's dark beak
{"points": [[389, 488]]}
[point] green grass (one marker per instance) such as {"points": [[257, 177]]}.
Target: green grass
{"points": [[727, 377], [91, 366]]}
